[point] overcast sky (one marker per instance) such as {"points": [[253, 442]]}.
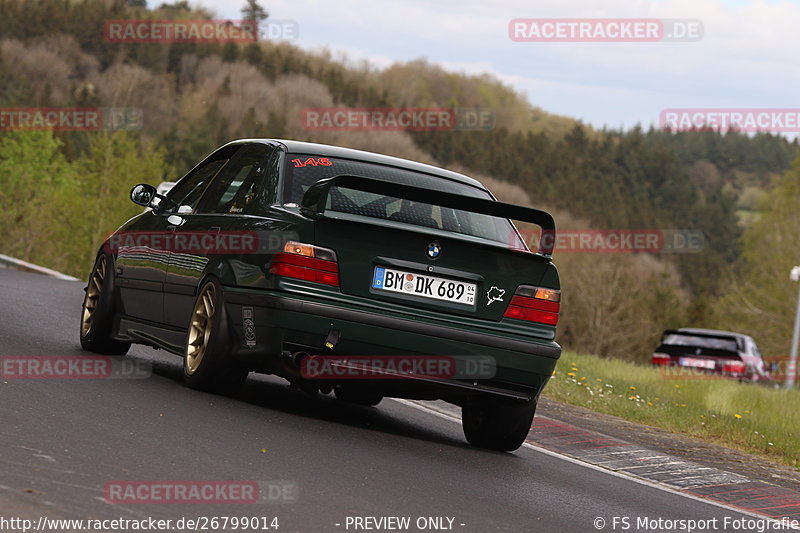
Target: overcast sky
{"points": [[747, 58]]}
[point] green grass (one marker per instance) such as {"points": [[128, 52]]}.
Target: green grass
{"points": [[753, 418]]}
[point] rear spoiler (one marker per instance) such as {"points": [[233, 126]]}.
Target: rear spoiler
{"points": [[315, 198], [727, 336]]}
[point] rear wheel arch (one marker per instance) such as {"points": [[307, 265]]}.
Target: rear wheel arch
{"points": [[207, 361]]}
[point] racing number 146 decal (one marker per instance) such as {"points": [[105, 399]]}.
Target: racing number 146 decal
{"points": [[312, 161]]}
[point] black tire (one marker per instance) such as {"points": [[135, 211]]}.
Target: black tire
{"points": [[207, 363], [97, 311], [357, 395], [496, 424]]}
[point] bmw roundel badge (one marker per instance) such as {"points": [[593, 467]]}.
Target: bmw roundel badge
{"points": [[434, 250]]}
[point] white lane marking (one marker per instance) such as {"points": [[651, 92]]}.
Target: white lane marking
{"points": [[599, 469], [25, 266]]}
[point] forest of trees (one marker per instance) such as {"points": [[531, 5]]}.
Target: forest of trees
{"points": [[63, 191]]}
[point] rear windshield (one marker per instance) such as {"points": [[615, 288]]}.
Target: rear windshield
{"points": [[711, 343], [304, 170]]}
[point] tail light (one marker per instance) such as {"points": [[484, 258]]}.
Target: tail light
{"points": [[733, 367], [535, 304], [306, 262], [661, 359]]}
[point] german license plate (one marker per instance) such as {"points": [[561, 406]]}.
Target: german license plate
{"points": [[433, 287], [696, 363]]}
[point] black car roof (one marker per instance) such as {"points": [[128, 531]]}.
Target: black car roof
{"points": [[327, 150]]}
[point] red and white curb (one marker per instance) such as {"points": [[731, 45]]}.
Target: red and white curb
{"points": [[615, 456]]}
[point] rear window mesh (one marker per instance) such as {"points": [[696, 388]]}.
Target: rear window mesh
{"points": [[366, 204]]}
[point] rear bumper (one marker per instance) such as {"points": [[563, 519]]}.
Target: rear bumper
{"points": [[283, 319]]}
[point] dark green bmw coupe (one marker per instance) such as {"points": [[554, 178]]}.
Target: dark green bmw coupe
{"points": [[341, 271]]}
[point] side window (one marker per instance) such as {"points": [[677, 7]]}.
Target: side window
{"points": [[240, 186], [264, 188], [189, 190], [754, 350], [272, 177]]}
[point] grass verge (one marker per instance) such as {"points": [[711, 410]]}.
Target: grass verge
{"points": [[754, 418]]}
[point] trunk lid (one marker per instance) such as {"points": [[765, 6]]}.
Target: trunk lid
{"points": [[424, 248]]}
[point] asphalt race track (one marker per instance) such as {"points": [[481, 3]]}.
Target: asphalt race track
{"points": [[64, 440]]}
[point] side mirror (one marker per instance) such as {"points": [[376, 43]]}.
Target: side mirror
{"points": [[143, 194]]}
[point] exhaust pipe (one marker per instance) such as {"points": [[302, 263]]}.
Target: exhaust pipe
{"points": [[309, 386], [299, 356]]}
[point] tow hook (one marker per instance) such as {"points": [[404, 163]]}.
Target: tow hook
{"points": [[332, 339]]}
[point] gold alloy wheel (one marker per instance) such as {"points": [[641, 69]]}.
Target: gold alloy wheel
{"points": [[93, 292], [200, 329]]}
